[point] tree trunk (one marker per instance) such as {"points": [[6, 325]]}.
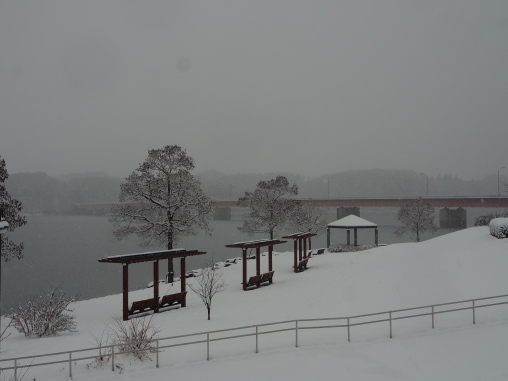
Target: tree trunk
{"points": [[208, 308], [171, 269]]}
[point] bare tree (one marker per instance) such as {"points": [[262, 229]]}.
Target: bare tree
{"points": [[417, 217], [209, 283], [309, 219], [161, 201], [270, 206]]}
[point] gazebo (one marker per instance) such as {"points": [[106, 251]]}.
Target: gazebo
{"points": [[300, 245], [351, 222], [258, 278], [154, 256]]}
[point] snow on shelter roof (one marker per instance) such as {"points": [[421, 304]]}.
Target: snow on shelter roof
{"points": [[256, 243], [300, 235], [151, 256], [352, 221]]}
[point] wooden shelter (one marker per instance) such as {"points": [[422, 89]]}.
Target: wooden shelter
{"points": [[351, 222], [258, 278], [155, 256], [300, 246]]}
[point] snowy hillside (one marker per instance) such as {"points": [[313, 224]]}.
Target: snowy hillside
{"points": [[464, 265]]}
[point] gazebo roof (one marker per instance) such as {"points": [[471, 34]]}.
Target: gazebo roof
{"points": [[351, 222], [151, 256]]}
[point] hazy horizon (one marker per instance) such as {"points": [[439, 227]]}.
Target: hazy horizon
{"points": [[311, 88]]}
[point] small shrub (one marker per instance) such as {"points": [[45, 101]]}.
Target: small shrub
{"points": [[135, 336], [485, 219], [102, 342], [45, 315], [498, 227]]}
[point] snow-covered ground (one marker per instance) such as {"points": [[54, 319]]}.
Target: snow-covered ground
{"points": [[463, 265]]}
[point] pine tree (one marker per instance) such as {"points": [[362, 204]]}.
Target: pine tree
{"points": [[11, 209]]}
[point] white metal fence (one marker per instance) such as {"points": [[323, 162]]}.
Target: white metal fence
{"points": [[206, 338]]}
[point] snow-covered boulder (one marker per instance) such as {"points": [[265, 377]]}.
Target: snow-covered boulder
{"points": [[499, 227]]}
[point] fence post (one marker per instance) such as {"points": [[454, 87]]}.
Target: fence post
{"points": [[296, 333], [390, 324], [113, 358], [256, 338], [474, 317], [432, 317], [157, 354], [70, 364], [348, 333], [208, 346], [15, 370]]}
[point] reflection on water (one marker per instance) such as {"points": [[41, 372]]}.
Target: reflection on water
{"points": [[63, 250]]}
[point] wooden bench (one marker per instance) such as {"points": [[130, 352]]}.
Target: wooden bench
{"points": [[303, 264], [144, 305], [172, 299], [260, 280], [254, 281], [267, 277], [316, 252]]}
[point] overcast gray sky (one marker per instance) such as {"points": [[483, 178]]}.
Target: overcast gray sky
{"points": [[310, 87]]}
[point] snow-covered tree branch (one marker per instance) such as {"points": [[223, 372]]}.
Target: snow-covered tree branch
{"points": [[161, 201], [309, 219], [11, 209], [270, 206], [417, 217], [209, 283]]}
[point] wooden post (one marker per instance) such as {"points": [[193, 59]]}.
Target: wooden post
{"points": [[270, 261], [356, 237], [304, 248], [156, 283], [295, 265], [349, 237], [258, 261], [328, 238], [244, 266], [125, 292], [376, 236], [300, 248], [183, 277]]}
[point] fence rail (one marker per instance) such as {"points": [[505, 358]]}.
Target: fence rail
{"points": [[108, 351]]}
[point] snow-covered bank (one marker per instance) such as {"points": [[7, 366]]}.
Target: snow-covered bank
{"points": [[463, 265]]}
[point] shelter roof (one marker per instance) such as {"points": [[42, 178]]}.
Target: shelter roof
{"points": [[352, 221], [256, 243], [299, 235], [151, 256]]}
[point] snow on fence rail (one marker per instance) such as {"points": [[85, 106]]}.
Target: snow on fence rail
{"points": [[295, 325]]}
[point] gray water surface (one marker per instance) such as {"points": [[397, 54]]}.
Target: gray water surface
{"points": [[64, 250]]}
